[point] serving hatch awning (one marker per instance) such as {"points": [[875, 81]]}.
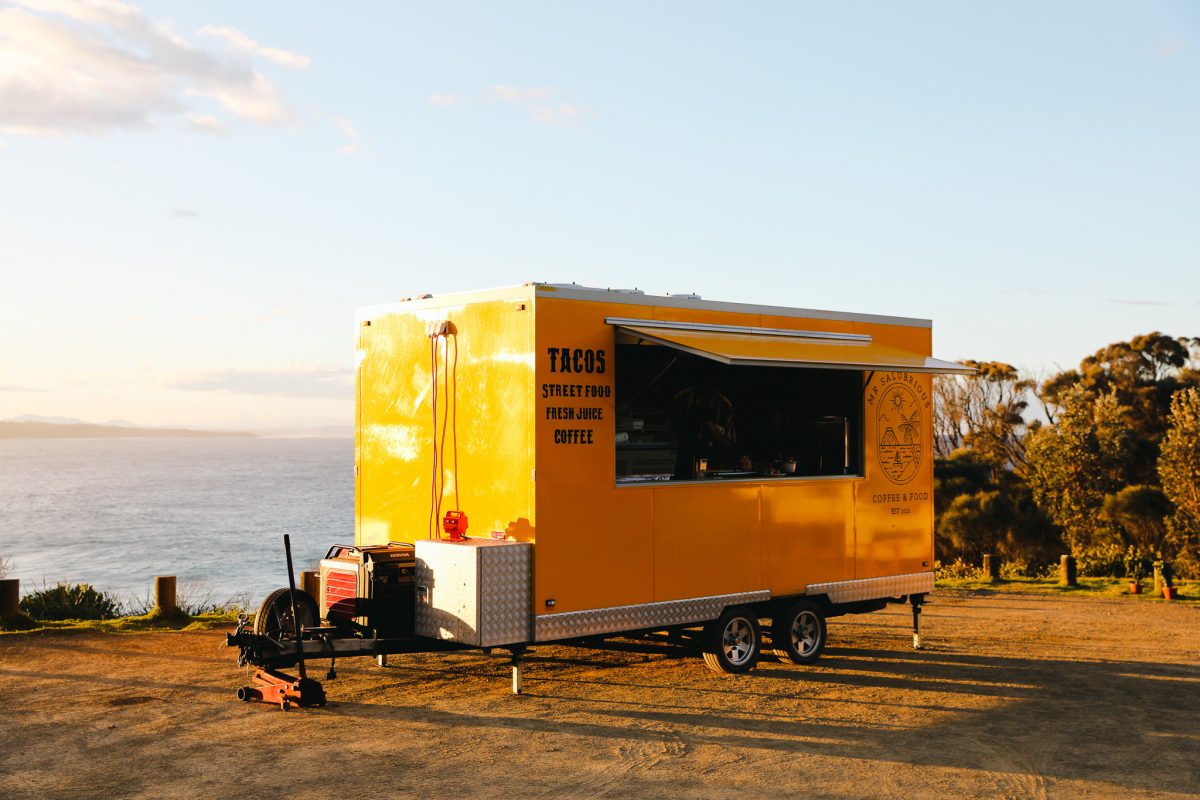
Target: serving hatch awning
{"points": [[741, 345]]}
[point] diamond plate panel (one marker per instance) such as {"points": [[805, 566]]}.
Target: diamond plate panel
{"points": [[476, 591], [572, 624], [874, 588], [505, 593]]}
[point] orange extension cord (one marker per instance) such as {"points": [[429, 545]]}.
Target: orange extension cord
{"points": [[449, 400]]}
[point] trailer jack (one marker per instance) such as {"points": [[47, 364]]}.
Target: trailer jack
{"points": [[917, 601], [271, 686], [517, 661]]}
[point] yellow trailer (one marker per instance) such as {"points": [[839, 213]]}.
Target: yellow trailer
{"points": [[627, 462]]}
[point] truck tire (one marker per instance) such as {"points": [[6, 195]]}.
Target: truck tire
{"points": [[275, 614], [733, 641], [798, 634]]}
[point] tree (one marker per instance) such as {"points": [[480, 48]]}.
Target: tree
{"points": [[1179, 470], [1143, 374], [978, 512], [1075, 464], [975, 524], [1137, 517], [985, 412], [962, 472]]}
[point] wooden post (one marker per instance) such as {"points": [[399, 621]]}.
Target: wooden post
{"points": [[310, 582], [10, 597], [1066, 571], [1158, 579], [991, 567], [164, 594]]}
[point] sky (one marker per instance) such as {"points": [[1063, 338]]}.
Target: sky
{"points": [[194, 197]]}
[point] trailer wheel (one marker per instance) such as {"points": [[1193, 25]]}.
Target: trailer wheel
{"points": [[733, 641], [798, 634], [275, 614]]}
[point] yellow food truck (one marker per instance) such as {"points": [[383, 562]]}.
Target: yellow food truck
{"points": [[552, 462]]}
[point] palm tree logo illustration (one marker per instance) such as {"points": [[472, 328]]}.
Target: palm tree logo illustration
{"points": [[899, 434]]}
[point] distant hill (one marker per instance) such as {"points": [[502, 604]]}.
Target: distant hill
{"points": [[54, 420], [83, 430], [313, 432]]}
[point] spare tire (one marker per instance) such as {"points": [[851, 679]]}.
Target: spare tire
{"points": [[274, 616]]}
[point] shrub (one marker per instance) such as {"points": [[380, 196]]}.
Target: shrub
{"points": [[1011, 570], [192, 598], [70, 601], [1102, 561], [958, 570], [18, 622]]}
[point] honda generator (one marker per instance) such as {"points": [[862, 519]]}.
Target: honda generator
{"points": [[370, 586]]}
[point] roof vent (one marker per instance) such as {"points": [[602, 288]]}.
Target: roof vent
{"points": [[684, 295]]}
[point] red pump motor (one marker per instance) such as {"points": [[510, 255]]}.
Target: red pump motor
{"points": [[455, 525]]}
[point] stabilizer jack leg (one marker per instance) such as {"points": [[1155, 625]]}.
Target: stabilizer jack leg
{"points": [[917, 601], [518, 656]]}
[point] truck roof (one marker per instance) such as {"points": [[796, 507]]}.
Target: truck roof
{"points": [[574, 291]]}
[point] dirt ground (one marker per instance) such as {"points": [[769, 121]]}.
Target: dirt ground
{"points": [[1015, 696]]}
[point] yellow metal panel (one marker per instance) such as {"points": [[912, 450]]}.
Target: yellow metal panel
{"points": [[706, 540], [668, 314], [901, 337], [808, 533], [494, 415], [894, 505], [594, 547]]}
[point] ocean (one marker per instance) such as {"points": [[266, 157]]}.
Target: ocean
{"points": [[116, 512]]}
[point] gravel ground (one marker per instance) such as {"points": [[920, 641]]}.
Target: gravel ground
{"points": [[1014, 696]]}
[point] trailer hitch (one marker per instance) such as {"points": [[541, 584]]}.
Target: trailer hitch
{"points": [[270, 685]]}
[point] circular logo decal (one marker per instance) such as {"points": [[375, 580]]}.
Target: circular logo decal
{"points": [[898, 426]]}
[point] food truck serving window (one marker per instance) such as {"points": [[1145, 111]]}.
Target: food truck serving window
{"points": [[710, 402]]}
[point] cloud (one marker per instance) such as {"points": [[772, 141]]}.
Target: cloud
{"points": [[1172, 47], [206, 123], [184, 213], [544, 104], [1142, 302], [93, 66], [351, 148], [304, 382], [13, 388], [561, 112], [519, 96], [240, 40]]}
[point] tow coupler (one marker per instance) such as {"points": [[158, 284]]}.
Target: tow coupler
{"points": [[286, 638], [272, 686]]}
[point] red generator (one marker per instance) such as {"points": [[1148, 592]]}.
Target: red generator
{"points": [[369, 586]]}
